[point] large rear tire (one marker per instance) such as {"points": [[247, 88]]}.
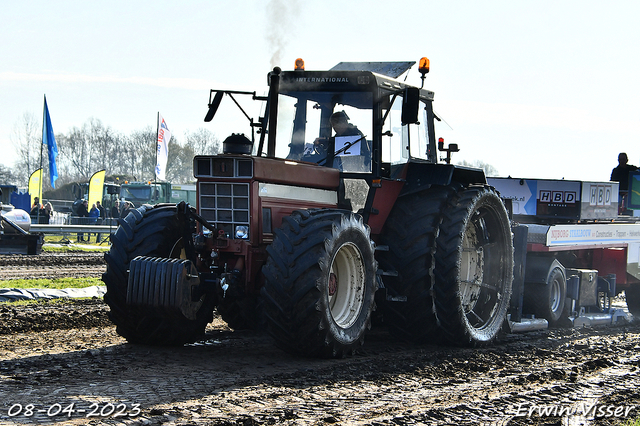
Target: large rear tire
{"points": [[474, 267], [410, 233], [632, 296], [156, 232], [320, 280]]}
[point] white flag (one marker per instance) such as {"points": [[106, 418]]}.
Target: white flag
{"points": [[162, 150]]}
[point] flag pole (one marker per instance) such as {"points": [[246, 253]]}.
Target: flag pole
{"points": [[155, 173], [44, 127]]}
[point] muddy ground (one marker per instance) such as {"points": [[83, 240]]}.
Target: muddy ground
{"points": [[63, 363], [52, 265]]}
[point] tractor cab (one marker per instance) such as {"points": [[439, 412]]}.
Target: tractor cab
{"points": [[356, 118], [360, 122]]}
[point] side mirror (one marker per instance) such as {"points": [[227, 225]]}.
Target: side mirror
{"points": [[213, 106], [410, 105]]}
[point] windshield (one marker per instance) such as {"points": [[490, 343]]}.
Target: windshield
{"points": [[333, 129], [135, 193], [401, 141]]}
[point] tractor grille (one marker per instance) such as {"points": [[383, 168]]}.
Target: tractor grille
{"points": [[226, 205]]}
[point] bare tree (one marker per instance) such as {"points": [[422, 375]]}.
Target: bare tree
{"points": [[140, 152], [84, 150], [180, 164], [27, 140], [76, 153], [7, 177], [93, 147], [202, 142]]}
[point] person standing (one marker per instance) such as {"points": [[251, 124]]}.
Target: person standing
{"points": [[36, 203], [94, 214], [101, 218], [103, 212], [115, 209], [83, 212], [621, 172], [47, 213], [36, 210]]}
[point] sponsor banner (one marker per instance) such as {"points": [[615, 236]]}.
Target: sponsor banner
{"points": [[539, 197], [96, 185], [559, 199], [35, 186], [590, 234], [599, 200]]}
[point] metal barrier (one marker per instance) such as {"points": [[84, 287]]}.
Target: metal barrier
{"points": [[73, 229], [77, 232]]}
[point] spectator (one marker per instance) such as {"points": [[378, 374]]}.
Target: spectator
{"points": [[101, 219], [83, 212], [36, 210], [46, 213], [115, 209], [103, 212], [127, 205], [621, 172], [94, 214], [36, 203]]}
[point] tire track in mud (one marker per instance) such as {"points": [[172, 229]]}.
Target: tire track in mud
{"points": [[52, 265], [241, 378], [49, 355]]}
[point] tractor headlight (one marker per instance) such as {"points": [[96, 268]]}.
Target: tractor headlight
{"points": [[242, 232]]}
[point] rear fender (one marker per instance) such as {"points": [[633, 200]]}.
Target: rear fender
{"points": [[422, 175]]}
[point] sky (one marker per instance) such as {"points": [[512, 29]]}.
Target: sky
{"points": [[537, 89]]}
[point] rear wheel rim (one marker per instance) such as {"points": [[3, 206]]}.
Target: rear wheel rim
{"points": [[556, 295], [346, 285], [481, 300]]}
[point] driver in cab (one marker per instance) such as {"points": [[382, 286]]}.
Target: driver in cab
{"points": [[348, 139]]}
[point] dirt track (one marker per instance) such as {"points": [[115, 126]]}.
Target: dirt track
{"points": [[53, 355], [52, 265]]}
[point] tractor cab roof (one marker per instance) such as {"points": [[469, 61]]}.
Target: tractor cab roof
{"points": [[352, 76], [389, 69]]}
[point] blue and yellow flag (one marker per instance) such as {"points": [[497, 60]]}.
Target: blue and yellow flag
{"points": [[49, 140]]}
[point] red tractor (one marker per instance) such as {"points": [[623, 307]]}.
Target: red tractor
{"points": [[339, 208]]}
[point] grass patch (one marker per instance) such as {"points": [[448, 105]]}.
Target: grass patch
{"points": [[62, 245], [57, 283], [59, 300], [74, 249]]}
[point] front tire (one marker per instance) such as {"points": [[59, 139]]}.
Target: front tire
{"points": [[320, 280], [474, 267], [153, 231]]}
